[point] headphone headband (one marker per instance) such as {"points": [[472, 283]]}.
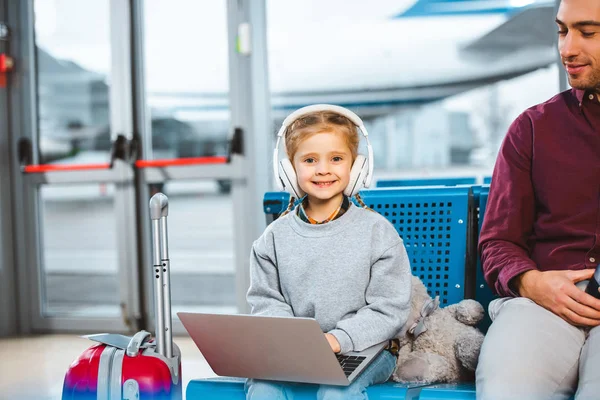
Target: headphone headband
{"points": [[296, 115], [290, 119]]}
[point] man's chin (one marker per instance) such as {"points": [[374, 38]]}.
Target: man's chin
{"points": [[583, 85]]}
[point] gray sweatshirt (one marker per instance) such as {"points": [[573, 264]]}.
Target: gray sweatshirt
{"points": [[351, 274]]}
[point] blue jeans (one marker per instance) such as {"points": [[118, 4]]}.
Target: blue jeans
{"points": [[379, 371]]}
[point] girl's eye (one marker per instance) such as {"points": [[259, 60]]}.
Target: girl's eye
{"points": [[309, 160], [337, 158]]}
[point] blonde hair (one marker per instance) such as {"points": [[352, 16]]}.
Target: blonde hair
{"points": [[320, 122]]}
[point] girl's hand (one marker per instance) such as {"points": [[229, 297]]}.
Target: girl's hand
{"points": [[333, 342]]}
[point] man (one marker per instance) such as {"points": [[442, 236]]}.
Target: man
{"points": [[541, 234]]}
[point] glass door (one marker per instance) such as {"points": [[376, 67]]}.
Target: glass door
{"points": [[188, 117], [129, 98], [199, 147], [78, 236]]}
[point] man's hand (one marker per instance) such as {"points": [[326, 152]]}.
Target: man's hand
{"points": [[556, 292], [335, 345]]}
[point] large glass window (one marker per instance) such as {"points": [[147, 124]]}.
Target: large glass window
{"points": [[79, 261], [201, 247], [187, 89], [187, 77], [73, 66], [436, 84], [79, 258]]}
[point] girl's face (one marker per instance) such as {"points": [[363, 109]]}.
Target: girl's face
{"points": [[322, 163]]}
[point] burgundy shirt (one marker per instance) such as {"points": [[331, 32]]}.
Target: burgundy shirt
{"points": [[543, 209]]}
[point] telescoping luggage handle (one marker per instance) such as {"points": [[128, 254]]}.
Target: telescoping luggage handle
{"points": [[159, 209]]}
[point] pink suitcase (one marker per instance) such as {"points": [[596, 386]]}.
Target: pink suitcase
{"points": [[138, 367]]}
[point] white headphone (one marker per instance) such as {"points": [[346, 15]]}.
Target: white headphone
{"points": [[362, 168]]}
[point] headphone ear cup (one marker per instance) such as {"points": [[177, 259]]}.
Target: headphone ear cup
{"points": [[358, 173], [287, 174]]}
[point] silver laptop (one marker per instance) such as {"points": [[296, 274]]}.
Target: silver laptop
{"points": [[273, 348]]}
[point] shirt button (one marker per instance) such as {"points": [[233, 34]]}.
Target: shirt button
{"points": [[592, 260], [591, 97]]}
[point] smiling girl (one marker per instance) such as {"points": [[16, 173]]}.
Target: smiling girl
{"points": [[327, 259]]}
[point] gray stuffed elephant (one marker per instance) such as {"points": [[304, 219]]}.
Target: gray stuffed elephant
{"points": [[438, 344]]}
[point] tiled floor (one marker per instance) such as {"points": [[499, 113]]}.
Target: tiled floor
{"points": [[33, 368]]}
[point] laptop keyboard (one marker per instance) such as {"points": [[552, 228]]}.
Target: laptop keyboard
{"points": [[349, 363]]}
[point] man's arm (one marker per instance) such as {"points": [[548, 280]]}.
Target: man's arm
{"points": [[507, 228], [510, 212]]}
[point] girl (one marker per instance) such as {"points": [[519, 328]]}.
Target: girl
{"points": [[327, 259]]}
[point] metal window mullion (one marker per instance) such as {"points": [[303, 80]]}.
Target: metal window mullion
{"points": [[250, 110], [121, 121], [121, 93], [142, 120], [23, 106], [143, 127], [8, 308]]}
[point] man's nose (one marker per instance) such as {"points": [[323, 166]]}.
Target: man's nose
{"points": [[568, 46]]}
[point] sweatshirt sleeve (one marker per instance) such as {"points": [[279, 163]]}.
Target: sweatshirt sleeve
{"points": [[388, 303], [264, 295], [510, 212]]}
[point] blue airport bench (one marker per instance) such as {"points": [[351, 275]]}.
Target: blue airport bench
{"points": [[437, 257], [483, 293], [233, 389], [449, 181], [274, 203], [433, 223], [487, 180], [448, 391]]}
